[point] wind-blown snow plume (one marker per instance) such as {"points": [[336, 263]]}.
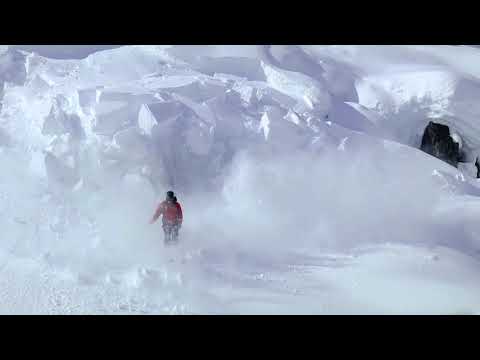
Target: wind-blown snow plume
{"points": [[277, 154]]}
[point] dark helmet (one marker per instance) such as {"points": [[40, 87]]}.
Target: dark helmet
{"points": [[170, 195]]}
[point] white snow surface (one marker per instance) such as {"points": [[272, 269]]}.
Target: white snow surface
{"points": [[297, 167]]}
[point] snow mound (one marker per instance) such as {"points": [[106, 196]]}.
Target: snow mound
{"points": [[279, 155]]}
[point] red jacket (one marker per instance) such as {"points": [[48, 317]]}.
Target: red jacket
{"points": [[171, 211]]}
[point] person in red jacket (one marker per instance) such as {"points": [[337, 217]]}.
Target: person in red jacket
{"points": [[172, 217]]}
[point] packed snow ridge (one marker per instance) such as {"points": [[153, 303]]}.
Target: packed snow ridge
{"points": [[298, 167]]}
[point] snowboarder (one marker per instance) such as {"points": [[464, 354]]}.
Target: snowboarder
{"points": [[172, 217]]}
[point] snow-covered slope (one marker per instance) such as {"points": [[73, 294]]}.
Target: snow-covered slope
{"points": [[297, 166]]}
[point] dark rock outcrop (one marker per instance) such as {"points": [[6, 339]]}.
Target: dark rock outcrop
{"points": [[437, 142]]}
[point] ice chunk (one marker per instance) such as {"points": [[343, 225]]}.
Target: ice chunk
{"points": [[107, 107], [108, 95], [88, 98], [200, 91], [61, 146], [190, 53], [167, 83], [243, 67], [13, 67], [293, 117], [168, 110], [276, 125], [227, 78], [202, 110], [273, 97], [131, 143], [346, 115], [302, 88], [293, 58], [65, 51], [265, 125], [199, 139], [247, 93], [256, 94], [229, 118], [117, 110], [38, 86], [340, 80], [146, 120], [234, 99], [113, 116], [58, 122]]}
